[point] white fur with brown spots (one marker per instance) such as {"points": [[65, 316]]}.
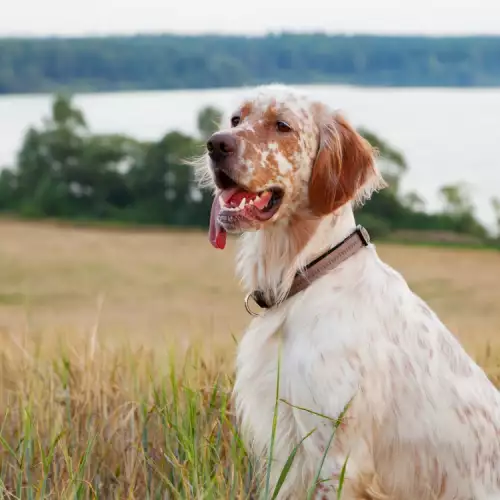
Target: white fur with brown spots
{"points": [[424, 420]]}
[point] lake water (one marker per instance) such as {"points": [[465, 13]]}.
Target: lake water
{"points": [[447, 135]]}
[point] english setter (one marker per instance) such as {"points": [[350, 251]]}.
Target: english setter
{"points": [[422, 419]]}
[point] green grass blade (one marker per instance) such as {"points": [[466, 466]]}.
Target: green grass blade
{"points": [[274, 426], [327, 448], [288, 465], [342, 478]]}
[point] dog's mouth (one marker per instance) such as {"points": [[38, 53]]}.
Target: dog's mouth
{"points": [[235, 208]]}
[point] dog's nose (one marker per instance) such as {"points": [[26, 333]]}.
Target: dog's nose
{"points": [[220, 146]]}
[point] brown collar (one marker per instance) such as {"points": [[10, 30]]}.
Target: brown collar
{"points": [[358, 239]]}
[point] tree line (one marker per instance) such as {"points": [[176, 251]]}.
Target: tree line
{"points": [[65, 171], [174, 62]]}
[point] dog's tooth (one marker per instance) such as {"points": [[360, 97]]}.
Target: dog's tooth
{"points": [[222, 202], [251, 202], [242, 203]]}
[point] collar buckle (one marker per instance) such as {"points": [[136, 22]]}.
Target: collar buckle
{"points": [[363, 234], [247, 304]]}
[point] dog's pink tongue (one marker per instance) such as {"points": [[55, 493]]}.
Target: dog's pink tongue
{"points": [[217, 234]]}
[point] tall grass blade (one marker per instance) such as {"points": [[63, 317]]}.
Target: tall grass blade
{"points": [[274, 426], [288, 465]]}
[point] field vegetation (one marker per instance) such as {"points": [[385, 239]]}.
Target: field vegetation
{"points": [[117, 356]]}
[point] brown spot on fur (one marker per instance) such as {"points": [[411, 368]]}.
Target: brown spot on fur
{"points": [[367, 487], [257, 151], [344, 163], [246, 110], [444, 482], [460, 416], [457, 363], [301, 230], [408, 366], [426, 311]]}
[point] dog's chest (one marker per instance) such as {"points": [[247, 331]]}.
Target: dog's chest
{"points": [[274, 364], [259, 357]]}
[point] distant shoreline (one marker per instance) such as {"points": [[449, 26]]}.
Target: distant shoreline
{"points": [[198, 62]]}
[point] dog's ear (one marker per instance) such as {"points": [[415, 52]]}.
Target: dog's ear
{"points": [[344, 169]]}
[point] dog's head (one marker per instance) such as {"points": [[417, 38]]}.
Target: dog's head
{"points": [[283, 154]]}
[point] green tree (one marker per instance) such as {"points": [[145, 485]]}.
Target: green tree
{"points": [[458, 207], [8, 190], [495, 204], [65, 115], [209, 120], [162, 183], [391, 162], [413, 201], [456, 199], [63, 170]]}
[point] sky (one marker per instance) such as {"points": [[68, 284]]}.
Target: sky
{"points": [[103, 17]]}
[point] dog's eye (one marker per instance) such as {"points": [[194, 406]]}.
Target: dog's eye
{"points": [[283, 127], [235, 121]]}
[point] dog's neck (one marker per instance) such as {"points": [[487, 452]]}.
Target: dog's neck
{"points": [[268, 259]]}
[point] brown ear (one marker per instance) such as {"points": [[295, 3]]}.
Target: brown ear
{"points": [[343, 167]]}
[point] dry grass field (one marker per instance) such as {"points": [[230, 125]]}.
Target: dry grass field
{"points": [[116, 356]]}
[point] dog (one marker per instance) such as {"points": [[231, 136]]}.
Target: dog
{"points": [[373, 392]]}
